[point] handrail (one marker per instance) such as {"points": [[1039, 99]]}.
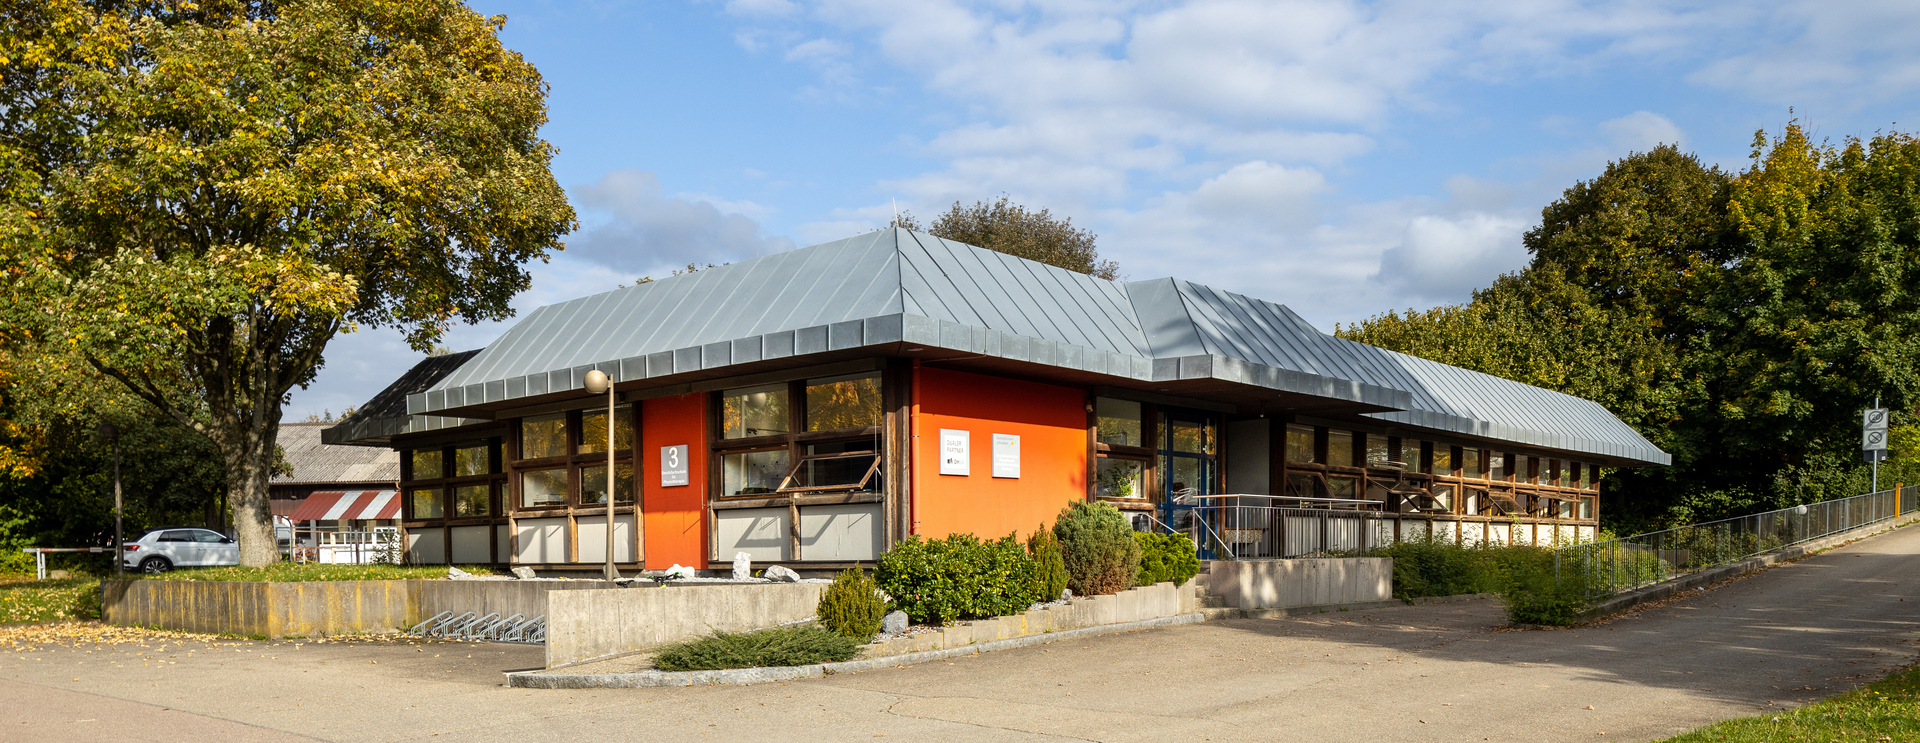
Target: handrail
{"points": [[1289, 497]]}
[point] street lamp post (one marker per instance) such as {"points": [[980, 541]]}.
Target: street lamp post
{"points": [[112, 433], [597, 382]]}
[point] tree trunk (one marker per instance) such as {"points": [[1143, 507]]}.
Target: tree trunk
{"points": [[249, 467]]}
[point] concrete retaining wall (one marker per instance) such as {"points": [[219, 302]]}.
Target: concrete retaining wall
{"points": [[1157, 601], [1280, 584], [315, 608], [591, 624]]}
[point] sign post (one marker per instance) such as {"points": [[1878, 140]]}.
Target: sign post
{"points": [[1873, 438]]}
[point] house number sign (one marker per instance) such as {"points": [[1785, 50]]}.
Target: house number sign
{"points": [[673, 465]]}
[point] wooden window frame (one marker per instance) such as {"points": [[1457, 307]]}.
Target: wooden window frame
{"points": [[795, 443]]}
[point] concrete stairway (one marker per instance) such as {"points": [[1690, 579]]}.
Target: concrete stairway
{"points": [[1212, 604]]}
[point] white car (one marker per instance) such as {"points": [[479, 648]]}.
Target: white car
{"points": [[162, 550]]}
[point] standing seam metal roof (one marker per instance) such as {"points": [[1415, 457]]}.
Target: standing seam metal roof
{"points": [[896, 286]]}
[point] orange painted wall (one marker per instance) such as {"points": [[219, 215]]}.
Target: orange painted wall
{"points": [[675, 516], [1052, 425]]}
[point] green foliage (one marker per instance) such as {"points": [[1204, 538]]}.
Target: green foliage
{"points": [[15, 564], [1010, 228], [852, 605], [196, 198], [1535, 593], [1443, 567], [959, 577], [1888, 709], [299, 572], [32, 601], [1166, 557], [1049, 565], [1738, 321], [1098, 548], [782, 646]]}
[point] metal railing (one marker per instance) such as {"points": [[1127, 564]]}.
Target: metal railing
{"points": [[1240, 532], [1609, 567]]}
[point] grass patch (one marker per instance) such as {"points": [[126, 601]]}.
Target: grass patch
{"points": [[34, 601], [782, 646], [297, 572], [1888, 709]]}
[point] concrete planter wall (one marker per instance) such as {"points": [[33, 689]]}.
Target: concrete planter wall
{"points": [[315, 608], [1157, 601], [592, 624], [1283, 584]]}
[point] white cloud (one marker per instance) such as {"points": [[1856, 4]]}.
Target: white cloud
{"points": [[1443, 258], [760, 8], [646, 231], [1640, 131]]}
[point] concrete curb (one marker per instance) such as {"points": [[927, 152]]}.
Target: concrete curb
{"points": [[1454, 599], [642, 679], [1659, 591]]}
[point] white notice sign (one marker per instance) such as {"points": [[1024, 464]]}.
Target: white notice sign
{"points": [[954, 452], [673, 465], [1006, 455]]}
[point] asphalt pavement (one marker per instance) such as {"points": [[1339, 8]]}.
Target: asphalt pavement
{"points": [[1439, 672]]}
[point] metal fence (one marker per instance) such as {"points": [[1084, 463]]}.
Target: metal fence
{"points": [[1230, 531], [1604, 568]]}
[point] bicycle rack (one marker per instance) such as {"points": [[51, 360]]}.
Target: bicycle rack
{"points": [[492, 627]]}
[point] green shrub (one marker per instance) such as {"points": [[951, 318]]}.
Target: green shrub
{"points": [[16, 565], [1098, 548], [960, 577], [1049, 566], [1536, 593], [1166, 557], [852, 606], [782, 646]]}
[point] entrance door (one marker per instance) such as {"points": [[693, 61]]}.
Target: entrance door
{"points": [[1189, 463]]}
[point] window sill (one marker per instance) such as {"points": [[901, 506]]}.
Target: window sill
{"points": [[774, 501]]}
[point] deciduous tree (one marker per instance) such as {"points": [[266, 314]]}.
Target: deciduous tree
{"points": [[199, 196]]}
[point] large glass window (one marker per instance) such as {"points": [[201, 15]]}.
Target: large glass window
{"points": [[1470, 463], [472, 460], [426, 464], [1442, 460], [1342, 487], [753, 473], [425, 503], [1119, 422], [1415, 457], [844, 402], [754, 411], [1300, 444], [543, 488], [1586, 507], [1497, 466], [593, 430], [1121, 478], [1190, 436], [593, 483], [543, 436], [473, 500], [1340, 448], [1378, 453]]}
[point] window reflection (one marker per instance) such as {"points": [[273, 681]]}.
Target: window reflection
{"points": [[426, 464], [1340, 448], [847, 402], [1120, 422], [593, 483], [593, 430], [543, 436], [472, 500], [1300, 444], [753, 473], [543, 488], [426, 503], [472, 460], [754, 411]]}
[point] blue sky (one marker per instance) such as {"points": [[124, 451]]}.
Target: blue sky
{"points": [[1342, 158]]}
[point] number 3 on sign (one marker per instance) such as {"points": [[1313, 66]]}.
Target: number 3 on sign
{"points": [[673, 465]]}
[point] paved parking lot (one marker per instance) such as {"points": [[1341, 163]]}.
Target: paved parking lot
{"points": [[1438, 672]]}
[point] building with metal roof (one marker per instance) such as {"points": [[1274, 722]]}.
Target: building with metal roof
{"points": [[922, 354]]}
